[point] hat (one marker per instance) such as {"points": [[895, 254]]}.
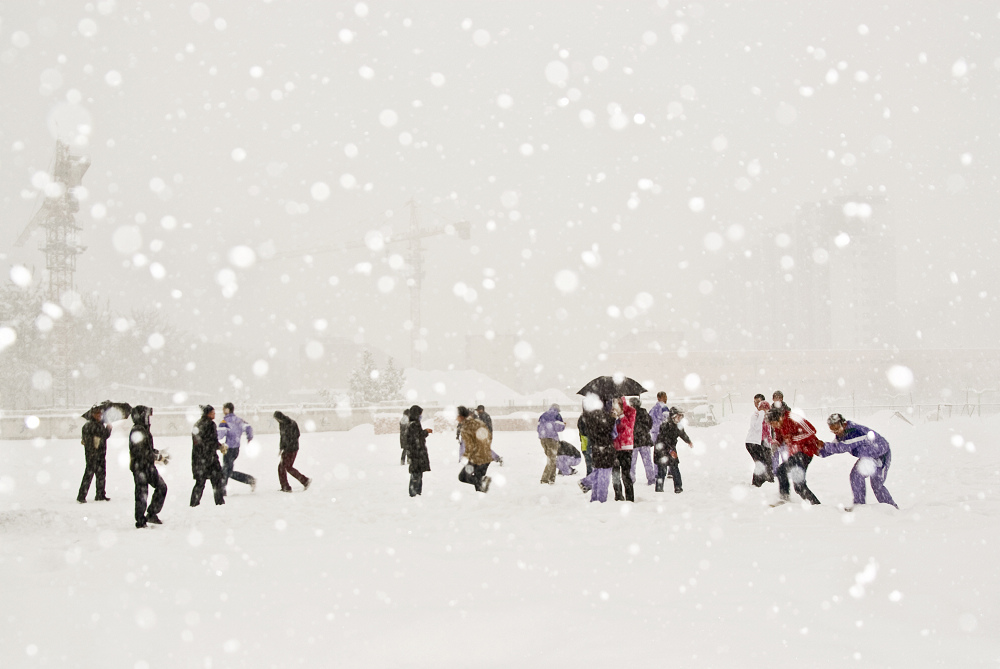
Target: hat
{"points": [[835, 419]]}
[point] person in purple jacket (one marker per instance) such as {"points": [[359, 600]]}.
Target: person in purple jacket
{"points": [[658, 413], [550, 424], [231, 430], [872, 451]]}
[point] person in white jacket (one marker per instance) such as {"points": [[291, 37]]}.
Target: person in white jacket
{"points": [[758, 442]]}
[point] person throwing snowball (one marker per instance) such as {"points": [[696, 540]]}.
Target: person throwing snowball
{"points": [[872, 451]]}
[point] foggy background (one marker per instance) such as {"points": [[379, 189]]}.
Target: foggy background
{"points": [[661, 188]]}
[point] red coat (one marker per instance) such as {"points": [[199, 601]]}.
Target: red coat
{"points": [[626, 428], [798, 434]]}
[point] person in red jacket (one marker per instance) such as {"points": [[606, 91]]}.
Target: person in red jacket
{"points": [[797, 445], [624, 443]]}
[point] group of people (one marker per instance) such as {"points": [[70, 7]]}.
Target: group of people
{"points": [[208, 440], [783, 443], [475, 438], [614, 437]]}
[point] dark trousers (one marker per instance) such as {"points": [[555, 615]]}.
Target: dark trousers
{"points": [[286, 467], [144, 479], [402, 457], [589, 459], [473, 475], [416, 483], [761, 464], [96, 459], [228, 460], [623, 463], [792, 467], [666, 465], [215, 476]]}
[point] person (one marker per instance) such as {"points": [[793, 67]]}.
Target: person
{"points": [[797, 445], [599, 425], [204, 461], [778, 401], [657, 414], [416, 451], [624, 444], [757, 442], [94, 437], [476, 438], [288, 450], [872, 451], [143, 457], [643, 440], [231, 430], [582, 431], [488, 421], [567, 459], [667, 462], [550, 424], [404, 422]]}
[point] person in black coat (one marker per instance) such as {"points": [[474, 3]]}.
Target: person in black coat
{"points": [[643, 439], [416, 451], [666, 450], [599, 427], [142, 461], [288, 449], [204, 461], [94, 437]]}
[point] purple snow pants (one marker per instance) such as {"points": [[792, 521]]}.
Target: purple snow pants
{"points": [[647, 463], [597, 482], [877, 479], [565, 464]]}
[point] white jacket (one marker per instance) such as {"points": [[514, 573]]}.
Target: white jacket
{"points": [[756, 430]]}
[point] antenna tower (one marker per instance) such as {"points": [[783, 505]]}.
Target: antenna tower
{"points": [[56, 217]]}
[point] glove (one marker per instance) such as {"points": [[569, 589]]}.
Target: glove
{"points": [[223, 448]]}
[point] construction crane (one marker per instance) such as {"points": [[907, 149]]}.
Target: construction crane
{"points": [[56, 216], [414, 258]]}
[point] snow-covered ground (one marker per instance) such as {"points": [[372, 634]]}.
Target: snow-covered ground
{"points": [[353, 572]]}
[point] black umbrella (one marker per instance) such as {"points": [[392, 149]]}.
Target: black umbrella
{"points": [[610, 387], [110, 411]]}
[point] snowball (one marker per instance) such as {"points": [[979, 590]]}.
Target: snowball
{"points": [[566, 281], [347, 181], [557, 73], [260, 368], [786, 114], [692, 382], [127, 239], [696, 204], [314, 350], [505, 101], [713, 241], [87, 27], [242, 256], [156, 341], [7, 337], [238, 154], [113, 78], [600, 63], [900, 376], [522, 350], [20, 275], [481, 38], [842, 240], [866, 466], [388, 118], [200, 12], [386, 284], [959, 68]]}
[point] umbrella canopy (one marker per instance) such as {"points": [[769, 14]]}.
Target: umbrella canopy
{"points": [[610, 387], [111, 411]]}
